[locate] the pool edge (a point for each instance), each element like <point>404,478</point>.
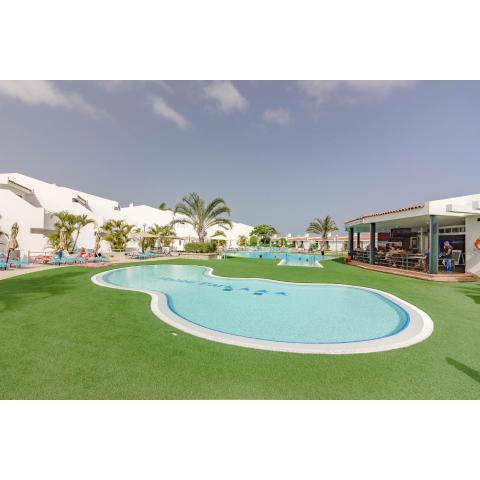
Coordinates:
<point>419,328</point>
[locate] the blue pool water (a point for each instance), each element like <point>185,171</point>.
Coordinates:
<point>267,310</point>
<point>292,259</point>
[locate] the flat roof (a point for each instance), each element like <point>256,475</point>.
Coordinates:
<point>446,209</point>
<point>332,238</point>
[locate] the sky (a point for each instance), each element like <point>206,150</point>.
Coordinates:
<point>278,152</point>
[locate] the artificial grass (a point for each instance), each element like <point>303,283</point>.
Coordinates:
<point>62,337</point>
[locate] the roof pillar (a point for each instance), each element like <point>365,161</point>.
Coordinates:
<point>372,243</point>
<point>350,241</point>
<point>433,241</point>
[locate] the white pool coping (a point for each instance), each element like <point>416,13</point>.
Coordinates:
<point>419,328</point>
<point>283,263</point>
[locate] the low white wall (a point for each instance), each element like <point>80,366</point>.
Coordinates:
<point>472,254</point>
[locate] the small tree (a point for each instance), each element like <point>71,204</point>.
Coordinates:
<point>162,232</point>
<point>80,222</point>
<point>65,220</point>
<point>119,233</point>
<point>242,241</point>
<point>263,233</point>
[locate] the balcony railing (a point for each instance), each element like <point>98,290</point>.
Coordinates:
<point>409,261</point>
<point>406,261</point>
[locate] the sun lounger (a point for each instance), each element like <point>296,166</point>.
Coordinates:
<point>98,259</point>
<point>17,263</point>
<point>73,260</point>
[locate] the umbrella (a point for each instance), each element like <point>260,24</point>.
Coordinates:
<point>219,238</point>
<point>98,237</point>
<point>12,243</point>
<point>63,239</point>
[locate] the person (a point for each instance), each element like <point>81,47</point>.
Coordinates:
<point>448,251</point>
<point>426,254</point>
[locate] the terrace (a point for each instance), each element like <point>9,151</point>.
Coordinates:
<point>413,240</point>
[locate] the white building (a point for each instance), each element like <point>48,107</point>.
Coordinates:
<point>32,204</point>
<point>336,242</point>
<point>426,227</point>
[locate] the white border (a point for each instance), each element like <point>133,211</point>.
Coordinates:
<point>418,329</point>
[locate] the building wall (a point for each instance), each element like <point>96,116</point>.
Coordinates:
<point>35,211</point>
<point>15,209</point>
<point>438,207</point>
<point>472,254</point>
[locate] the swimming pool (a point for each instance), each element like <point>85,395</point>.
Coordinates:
<point>285,258</point>
<point>307,318</point>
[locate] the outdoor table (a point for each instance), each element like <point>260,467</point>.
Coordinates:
<point>420,258</point>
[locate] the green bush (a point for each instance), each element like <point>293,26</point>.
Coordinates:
<point>205,247</point>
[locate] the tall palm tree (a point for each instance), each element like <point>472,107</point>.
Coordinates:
<point>81,221</point>
<point>322,226</point>
<point>119,233</point>
<point>200,216</point>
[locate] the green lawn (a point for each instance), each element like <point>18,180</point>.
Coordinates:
<point>63,337</point>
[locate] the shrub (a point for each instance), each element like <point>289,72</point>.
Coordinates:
<point>204,247</point>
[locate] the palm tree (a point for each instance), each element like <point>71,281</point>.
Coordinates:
<point>323,227</point>
<point>67,221</point>
<point>200,216</point>
<point>81,221</point>
<point>162,232</point>
<point>118,233</point>
<point>242,241</point>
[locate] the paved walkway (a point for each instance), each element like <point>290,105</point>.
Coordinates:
<point>14,272</point>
